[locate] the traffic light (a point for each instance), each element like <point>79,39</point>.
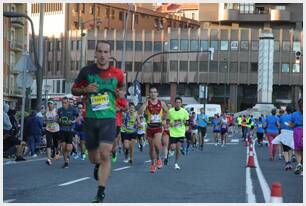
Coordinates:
<point>298,55</point>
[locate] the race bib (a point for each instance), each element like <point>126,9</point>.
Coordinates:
<point>155,118</point>
<point>177,123</point>
<point>131,125</point>
<point>259,125</point>
<point>100,102</point>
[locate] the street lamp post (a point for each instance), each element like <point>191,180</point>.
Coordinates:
<point>39,71</point>
<point>83,39</point>
<point>47,87</point>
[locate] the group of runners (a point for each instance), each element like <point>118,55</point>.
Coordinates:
<point>110,124</point>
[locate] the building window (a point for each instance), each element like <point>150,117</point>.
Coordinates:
<point>231,6</point>
<point>138,45</point>
<point>128,66</point>
<point>120,15</point>
<point>214,44</point>
<point>244,67</point>
<point>276,67</point>
<point>148,46</point>
<point>91,10</point>
<point>137,66</point>
<point>58,66</point>
<point>157,46</point>
<point>174,44</point>
<point>129,45</point>
<point>246,8</point>
<point>157,66</point>
<point>194,45</point>
<point>58,86</point>
<point>119,45</point>
<point>184,44</point>
<point>98,11</point>
<point>224,46</point>
<point>91,44</point>
<point>90,62</point>
<point>254,67</point>
<point>255,45</point>
<point>204,45</point>
<point>213,67</point>
<point>286,46</point>
<point>193,16</point>
<point>184,66</point>
<point>173,65</point>
<point>244,45</point>
<point>113,13</point>
<point>285,68</point>
<point>83,8</point>
<point>49,66</point>
<point>193,66</point>
<point>78,44</point>
<point>203,66</point>
<point>280,7</point>
<point>118,64</point>
<point>233,67</point>
<point>72,45</point>
<point>296,46</point>
<point>276,45</point>
<point>59,45</point>
<point>50,47</point>
<point>136,19</point>
<point>223,67</point>
<point>234,45</point>
<point>166,46</point>
<point>296,68</point>
<point>63,86</point>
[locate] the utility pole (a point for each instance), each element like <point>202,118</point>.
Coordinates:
<point>126,22</point>
<point>41,49</point>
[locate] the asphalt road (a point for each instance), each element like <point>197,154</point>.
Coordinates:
<point>215,175</point>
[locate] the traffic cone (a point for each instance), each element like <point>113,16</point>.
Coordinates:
<point>251,162</point>
<point>276,193</point>
<point>251,141</point>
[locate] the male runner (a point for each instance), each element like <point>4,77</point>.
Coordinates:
<point>98,82</point>
<point>178,117</point>
<point>154,109</point>
<point>202,121</point>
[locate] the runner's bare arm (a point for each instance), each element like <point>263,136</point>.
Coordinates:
<point>164,106</point>
<point>143,107</point>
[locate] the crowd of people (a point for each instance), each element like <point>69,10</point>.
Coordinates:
<point>105,123</point>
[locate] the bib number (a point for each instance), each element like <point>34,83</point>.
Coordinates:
<point>100,102</point>
<point>155,118</point>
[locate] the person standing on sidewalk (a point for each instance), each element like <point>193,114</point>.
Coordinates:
<point>35,126</point>
<point>99,83</point>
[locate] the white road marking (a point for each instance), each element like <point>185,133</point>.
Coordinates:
<point>121,168</point>
<point>230,143</point>
<point>28,160</point>
<point>235,140</point>
<point>206,140</point>
<point>74,181</point>
<point>249,185</point>
<point>148,161</point>
<point>9,200</point>
<point>262,181</point>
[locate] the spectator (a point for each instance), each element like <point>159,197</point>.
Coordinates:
<point>35,126</point>
<point>15,126</point>
<point>10,141</point>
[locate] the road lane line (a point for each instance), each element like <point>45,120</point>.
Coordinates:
<point>230,143</point>
<point>9,200</point>
<point>28,160</point>
<point>121,168</point>
<point>148,161</point>
<point>262,180</point>
<point>249,185</point>
<point>235,140</point>
<point>74,181</point>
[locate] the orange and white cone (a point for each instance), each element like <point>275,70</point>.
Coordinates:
<point>251,162</point>
<point>276,193</point>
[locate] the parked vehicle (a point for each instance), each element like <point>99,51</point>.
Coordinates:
<point>210,109</point>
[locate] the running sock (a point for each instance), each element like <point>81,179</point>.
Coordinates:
<point>101,190</point>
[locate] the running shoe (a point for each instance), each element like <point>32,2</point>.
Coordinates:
<point>280,156</point>
<point>65,166</point>
<point>176,166</point>
<point>159,164</point>
<point>34,155</point>
<point>293,158</point>
<point>19,159</point>
<point>153,169</point>
<point>171,153</point>
<point>98,198</point>
<point>114,157</point>
<point>75,156</point>
<point>298,169</point>
<point>288,166</point>
<point>165,161</point>
<point>83,157</point>
<point>130,161</point>
<point>141,148</point>
<point>49,162</point>
<point>126,160</point>
<point>53,154</point>
<point>95,173</point>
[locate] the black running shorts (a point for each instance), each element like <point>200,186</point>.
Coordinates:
<point>128,136</point>
<point>99,131</point>
<point>174,140</point>
<point>66,136</point>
